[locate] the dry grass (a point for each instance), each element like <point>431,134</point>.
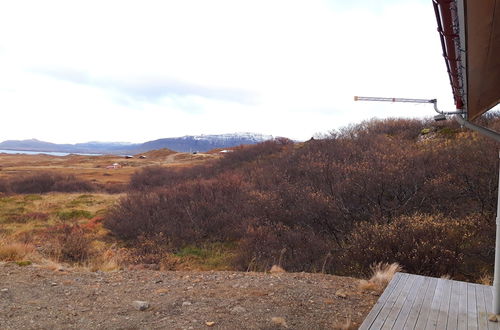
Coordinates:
<point>382,274</point>
<point>275,269</point>
<point>279,321</point>
<point>93,168</point>
<point>51,265</point>
<point>109,260</point>
<point>486,279</point>
<point>346,325</point>
<point>15,251</point>
<point>32,220</point>
<point>91,248</point>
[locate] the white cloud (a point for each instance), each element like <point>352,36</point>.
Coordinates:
<point>138,70</point>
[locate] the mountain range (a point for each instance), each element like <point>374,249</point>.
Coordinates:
<point>189,143</point>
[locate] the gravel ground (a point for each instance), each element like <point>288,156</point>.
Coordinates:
<point>36,298</point>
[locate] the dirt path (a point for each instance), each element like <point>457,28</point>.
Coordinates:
<point>35,298</point>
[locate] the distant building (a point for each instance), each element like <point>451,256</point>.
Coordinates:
<point>114,166</point>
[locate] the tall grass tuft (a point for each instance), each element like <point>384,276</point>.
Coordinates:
<point>382,274</point>
<point>14,251</point>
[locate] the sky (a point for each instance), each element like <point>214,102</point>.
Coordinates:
<point>134,71</point>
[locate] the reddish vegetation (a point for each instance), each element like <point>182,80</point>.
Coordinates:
<point>392,191</point>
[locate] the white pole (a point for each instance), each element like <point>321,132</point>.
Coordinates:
<point>496,275</point>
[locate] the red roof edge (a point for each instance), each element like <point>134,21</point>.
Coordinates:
<point>445,11</point>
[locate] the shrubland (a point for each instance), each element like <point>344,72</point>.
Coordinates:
<point>394,190</point>
<point>388,191</point>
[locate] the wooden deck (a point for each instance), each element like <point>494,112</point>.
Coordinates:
<point>420,302</point>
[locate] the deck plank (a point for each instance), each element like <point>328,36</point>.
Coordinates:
<point>462,306</point>
<point>471,307</point>
<point>398,305</point>
<point>435,304</point>
<point>482,315</point>
<point>417,305</point>
<point>452,323</point>
<point>420,302</point>
<point>444,308</point>
<point>418,286</point>
<point>381,302</point>
<point>384,312</point>
<point>488,298</point>
<point>426,306</point>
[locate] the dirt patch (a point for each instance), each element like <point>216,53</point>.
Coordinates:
<point>35,298</point>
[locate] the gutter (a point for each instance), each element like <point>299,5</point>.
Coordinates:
<point>479,129</point>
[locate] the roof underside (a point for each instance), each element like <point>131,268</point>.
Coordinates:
<point>470,37</point>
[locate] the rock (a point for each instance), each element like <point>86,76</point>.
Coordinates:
<point>4,290</point>
<point>186,303</point>
<point>210,323</point>
<point>279,321</point>
<point>53,284</point>
<point>140,305</point>
<point>238,310</point>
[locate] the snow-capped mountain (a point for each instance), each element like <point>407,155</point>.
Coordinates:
<point>204,143</point>
<point>232,136</point>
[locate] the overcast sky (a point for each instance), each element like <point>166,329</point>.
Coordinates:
<point>76,71</point>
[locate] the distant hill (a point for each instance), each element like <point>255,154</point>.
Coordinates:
<point>201,143</point>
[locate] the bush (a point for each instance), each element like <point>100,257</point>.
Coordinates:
<point>4,186</point>
<point>47,182</point>
<point>294,249</point>
<point>245,155</point>
<point>153,177</point>
<point>201,211</point>
<point>431,245</point>
<point>70,243</point>
<point>323,200</point>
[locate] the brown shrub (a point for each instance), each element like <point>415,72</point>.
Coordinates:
<point>189,213</point>
<point>247,154</point>
<point>421,244</point>
<point>153,177</point>
<point>115,188</point>
<point>4,186</point>
<point>327,199</point>
<point>46,182</point>
<point>149,250</point>
<point>294,249</point>
<point>69,243</point>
